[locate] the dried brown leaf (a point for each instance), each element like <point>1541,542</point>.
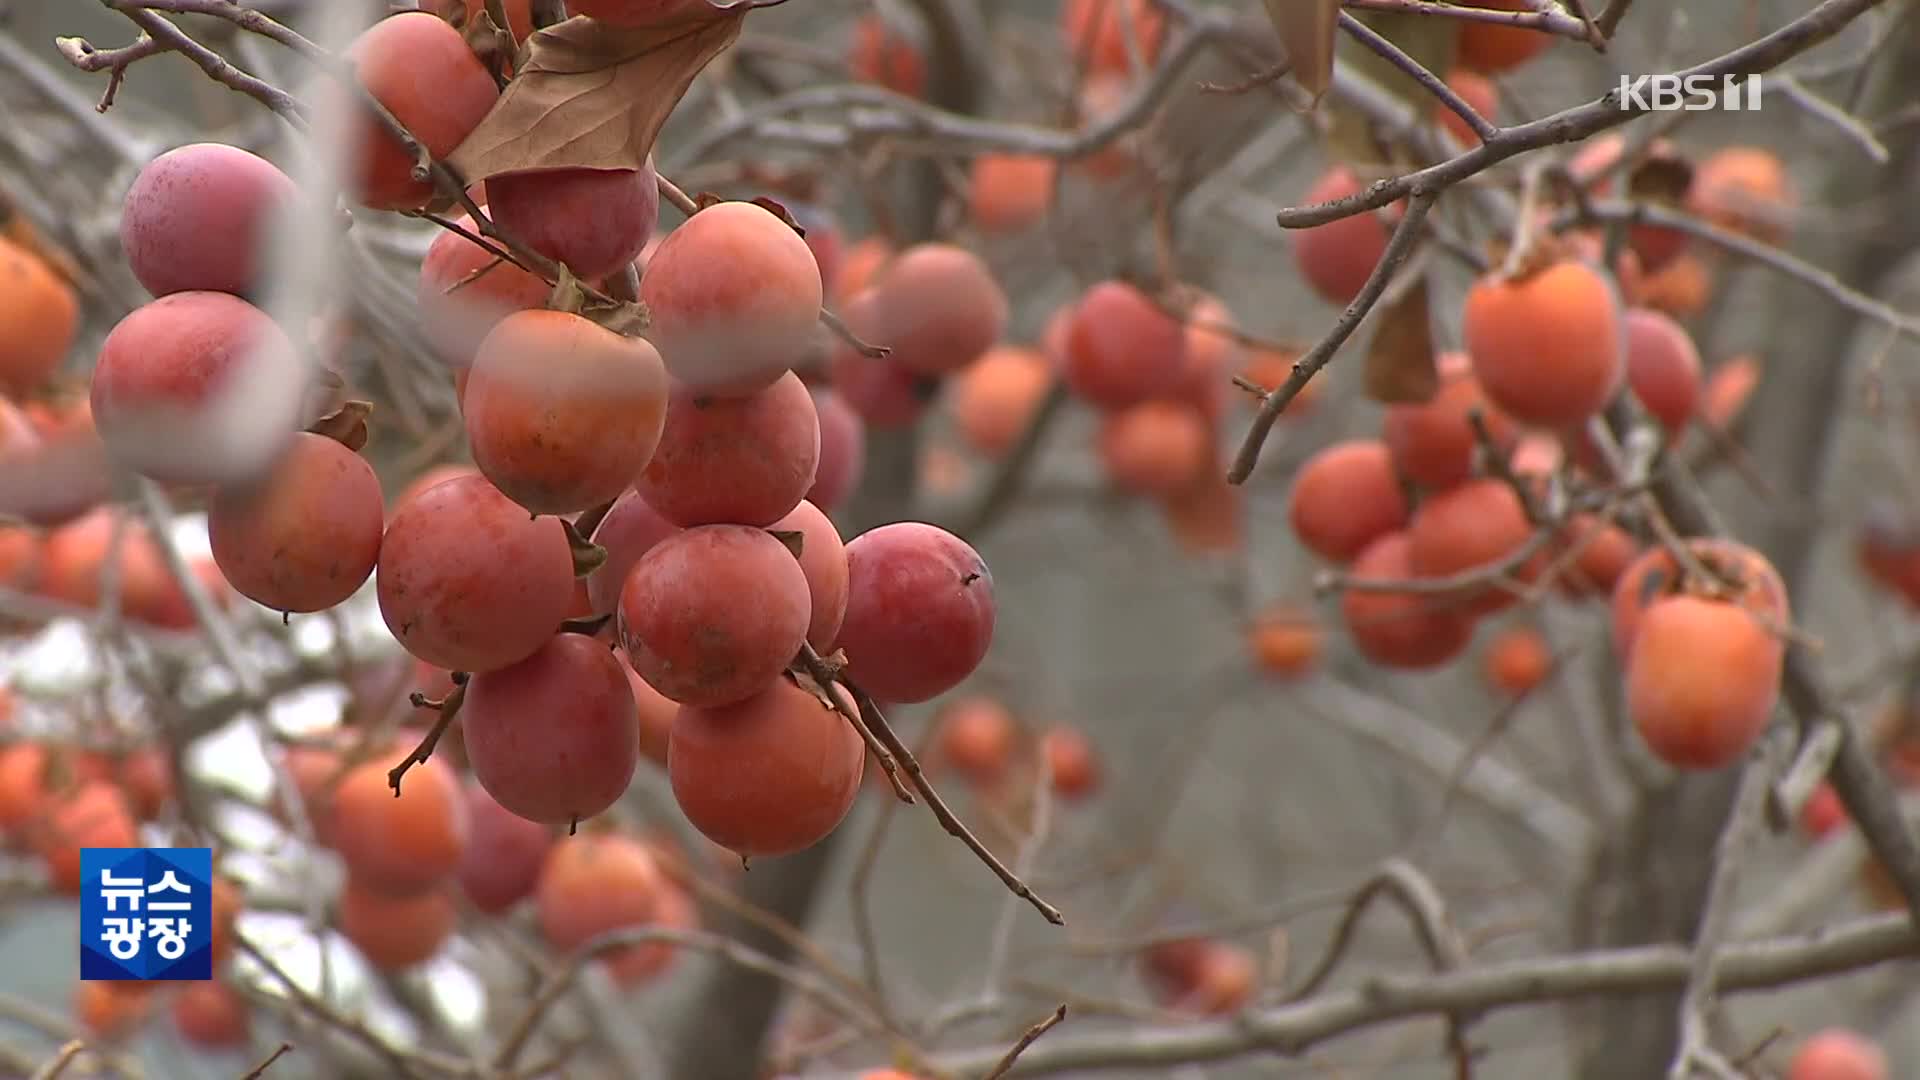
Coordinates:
<point>1661,178</point>
<point>1400,367</point>
<point>346,425</point>
<point>587,555</point>
<point>1306,29</point>
<point>594,96</point>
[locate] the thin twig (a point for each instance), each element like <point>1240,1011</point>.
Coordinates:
<point>1027,1039</point>
<point>1399,247</point>
<point>1743,821</point>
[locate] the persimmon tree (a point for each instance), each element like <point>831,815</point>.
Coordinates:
<point>664,537</point>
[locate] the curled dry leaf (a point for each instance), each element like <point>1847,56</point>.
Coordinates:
<point>1661,178</point>
<point>1400,367</point>
<point>587,555</point>
<point>1306,29</point>
<point>594,96</point>
<point>346,425</point>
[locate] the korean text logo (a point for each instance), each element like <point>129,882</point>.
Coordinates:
<point>1693,93</point>
<point>146,913</point>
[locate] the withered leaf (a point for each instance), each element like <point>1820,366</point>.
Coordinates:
<point>594,96</point>
<point>804,679</point>
<point>1306,29</point>
<point>346,425</point>
<point>624,317</point>
<point>587,555</point>
<point>1661,178</point>
<point>1400,368</point>
<point>1428,41</point>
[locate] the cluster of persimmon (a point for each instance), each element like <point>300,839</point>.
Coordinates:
<point>694,456</point>
<point>1446,503</point>
<point>694,448</point>
<point>410,859</point>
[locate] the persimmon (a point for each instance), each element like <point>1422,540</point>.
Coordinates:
<point>1547,346</point>
<point>405,842</point>
<point>197,388</point>
<point>1745,189</point>
<point>1269,369</point>
<point>1122,347</point>
<point>429,478</point>
<point>578,759</point>
<point>91,814</point>
<point>396,932</point>
<point>731,292</point>
<point>1213,349</point>
<point>629,530</point>
<point>201,216</point>
<point>1346,497</point>
<point>1107,35</point>
<point>467,580</point>
<point>883,55</point>
<point>1703,675</point>
<point>883,394</point>
<point>711,615</point>
<point>1009,192</point>
<point>769,775</point>
<point>1601,552</point>
<point>1838,1054</point>
<point>823,559</point>
<point>1494,48</point>
<point>1433,442</point>
<point>860,267</point>
<point>1337,258</point>
<point>596,883</point>
<point>1401,629</point>
<point>39,319</point>
<point>938,307</point>
<point>1517,661</point>
<point>1208,516</point>
<point>995,399</point>
<point>656,711</point>
<point>423,72</point>
<point>1656,573</point>
<point>1663,368</point>
<point>843,450</point>
<point>1072,762</point>
<point>975,736</point>
<point>1681,288</point>
<point>212,1015</point>
<point>464,290</point>
<point>111,1010</point>
<point>1728,389</point>
<point>920,611</point>
<point>1476,528</point>
<point>562,413</point>
<point>504,854</point>
<point>1285,640</point>
<point>307,537</point>
<point>594,221</point>
<point>1156,447</point>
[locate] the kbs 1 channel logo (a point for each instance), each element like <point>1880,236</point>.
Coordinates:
<point>1693,93</point>
<point>146,914</point>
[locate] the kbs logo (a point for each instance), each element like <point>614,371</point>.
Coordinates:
<point>1695,93</point>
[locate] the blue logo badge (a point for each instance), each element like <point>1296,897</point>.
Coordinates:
<point>146,913</point>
